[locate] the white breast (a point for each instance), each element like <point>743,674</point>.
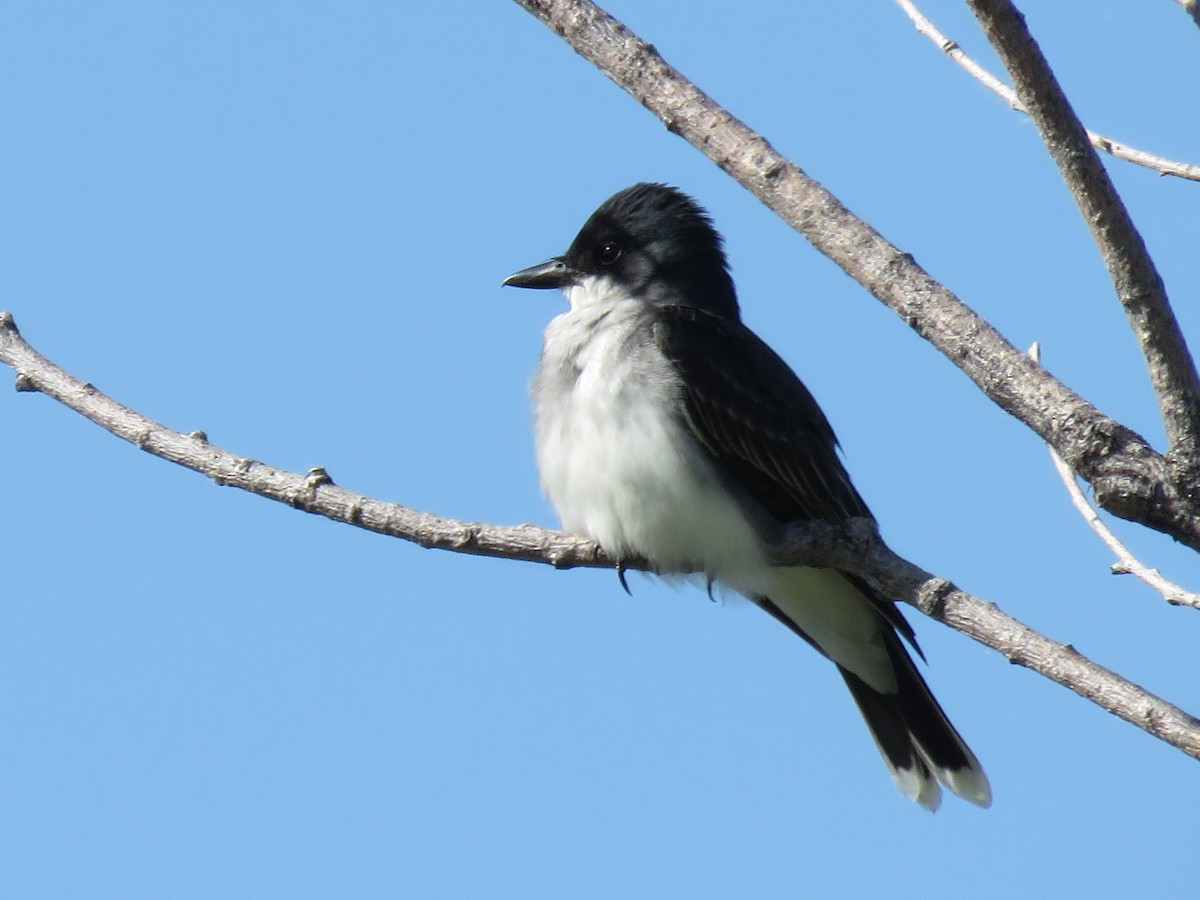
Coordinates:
<point>610,452</point>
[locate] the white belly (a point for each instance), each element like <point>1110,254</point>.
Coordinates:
<point>614,472</point>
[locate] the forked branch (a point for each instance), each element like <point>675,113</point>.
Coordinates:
<point>1127,563</point>
<point>1135,277</point>
<point>951,48</point>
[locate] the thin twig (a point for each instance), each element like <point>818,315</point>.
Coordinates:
<point>1138,285</point>
<point>1128,477</point>
<point>1160,164</point>
<point>854,548</point>
<point>1127,563</point>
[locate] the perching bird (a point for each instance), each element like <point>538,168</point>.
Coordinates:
<point>667,430</point>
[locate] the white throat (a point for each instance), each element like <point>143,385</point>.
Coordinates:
<point>593,292</point>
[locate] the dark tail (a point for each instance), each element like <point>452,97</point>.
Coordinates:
<point>918,743</point>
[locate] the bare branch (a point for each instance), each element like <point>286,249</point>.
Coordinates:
<point>1127,563</point>
<point>1128,478</point>
<point>1160,164</point>
<point>313,492</point>
<point>1135,277</point>
<point>856,547</point>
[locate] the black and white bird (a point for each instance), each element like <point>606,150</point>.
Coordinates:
<point>667,430</point>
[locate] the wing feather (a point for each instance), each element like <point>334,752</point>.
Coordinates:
<point>757,419</point>
<point>761,427</point>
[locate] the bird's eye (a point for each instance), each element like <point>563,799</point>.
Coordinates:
<point>608,253</point>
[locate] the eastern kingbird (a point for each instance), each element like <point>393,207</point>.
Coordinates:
<point>667,430</point>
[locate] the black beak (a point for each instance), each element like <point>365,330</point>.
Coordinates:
<point>553,273</point>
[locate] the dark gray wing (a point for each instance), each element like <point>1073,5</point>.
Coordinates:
<point>761,426</point>
<point>756,419</point>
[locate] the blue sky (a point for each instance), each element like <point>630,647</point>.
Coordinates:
<point>286,224</point>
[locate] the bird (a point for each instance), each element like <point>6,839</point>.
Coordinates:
<point>667,431</point>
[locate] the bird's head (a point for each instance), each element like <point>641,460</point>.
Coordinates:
<point>649,241</point>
